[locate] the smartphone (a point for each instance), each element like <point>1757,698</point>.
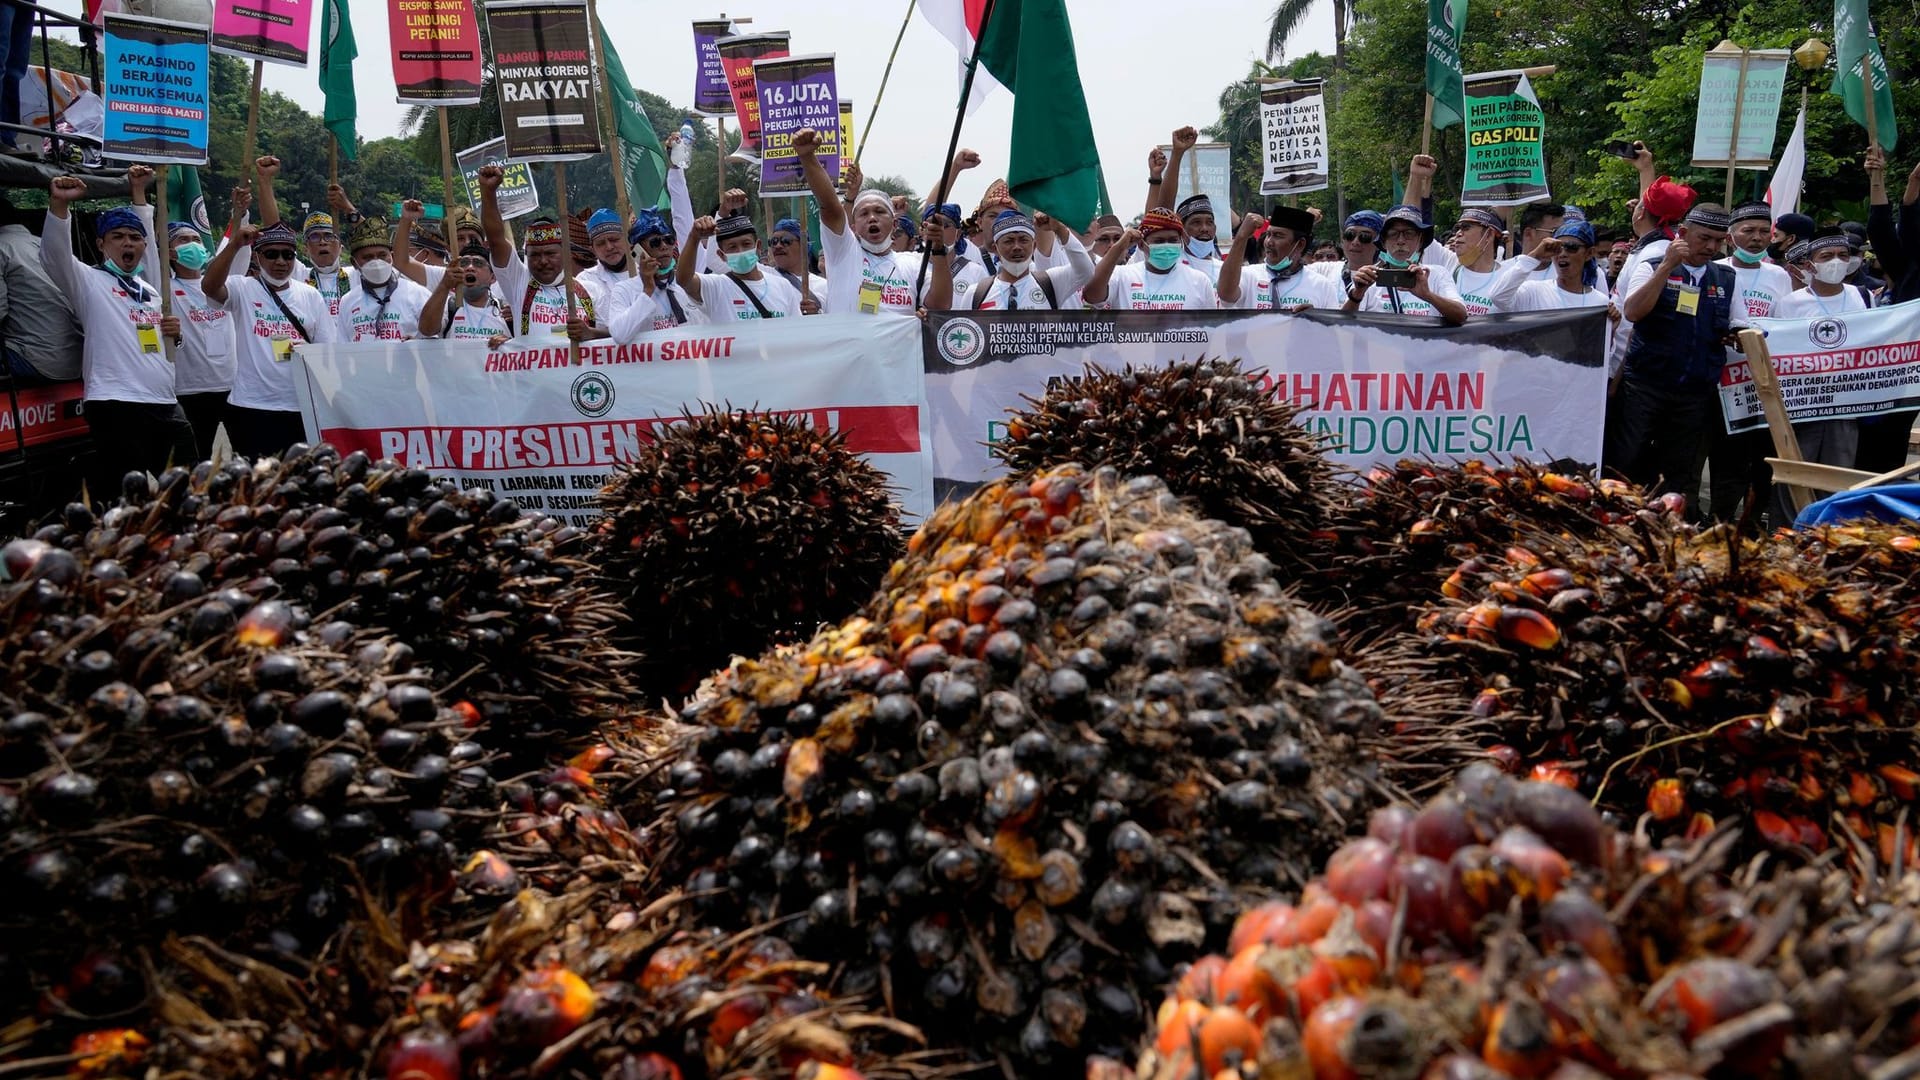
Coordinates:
<point>1623,149</point>
<point>1391,277</point>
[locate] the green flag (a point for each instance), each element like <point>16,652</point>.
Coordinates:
<point>1858,43</point>
<point>636,146</point>
<point>1105,206</point>
<point>183,193</point>
<point>1446,22</point>
<point>1027,45</point>
<point>337,52</point>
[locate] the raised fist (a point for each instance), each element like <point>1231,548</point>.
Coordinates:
<point>1185,138</point>
<point>965,159</point>
<point>140,176</point>
<point>268,165</point>
<point>245,235</point>
<point>490,177</point>
<point>412,210</point>
<point>70,188</point>
<point>703,227</point>
<point>806,142</point>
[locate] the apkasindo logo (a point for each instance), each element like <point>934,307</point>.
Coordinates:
<point>1828,333</point>
<point>592,394</point>
<point>962,341</point>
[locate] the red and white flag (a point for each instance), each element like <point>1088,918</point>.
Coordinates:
<point>1783,194</point>
<point>959,21</point>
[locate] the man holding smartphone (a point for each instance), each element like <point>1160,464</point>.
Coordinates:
<point>1398,282</point>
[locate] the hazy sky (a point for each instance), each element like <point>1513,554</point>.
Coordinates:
<point>1147,69</point>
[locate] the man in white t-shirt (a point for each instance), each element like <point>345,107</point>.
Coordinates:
<point>273,314</point>
<point>1159,283</point>
<point>613,263</point>
<point>476,314</point>
<point>1281,283</point>
<point>1828,442</point>
<point>1476,244</point>
<point>745,291</point>
<point>967,265</point>
<point>1413,288</point>
<point>387,305</point>
<point>130,406</point>
<point>1569,253</point>
<point>534,287</point>
<point>1738,462</point>
<point>203,365</point>
<point>865,275</point>
<point>1017,284</point>
<point>788,251</point>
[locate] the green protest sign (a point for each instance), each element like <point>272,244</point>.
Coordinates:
<point>1506,159</point>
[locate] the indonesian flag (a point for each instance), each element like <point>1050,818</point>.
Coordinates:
<point>959,22</point>
<point>1783,194</point>
<point>1027,45</point>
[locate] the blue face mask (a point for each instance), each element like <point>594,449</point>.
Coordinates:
<point>743,262</point>
<point>667,267</point>
<point>1281,266</point>
<point>1750,258</point>
<point>1163,256</point>
<point>192,256</point>
<point>1399,264</point>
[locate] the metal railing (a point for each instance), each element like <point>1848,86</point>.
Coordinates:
<point>44,18</point>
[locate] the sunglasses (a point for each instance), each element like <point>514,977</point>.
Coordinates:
<point>780,241</point>
<point>275,255</point>
<point>1572,249</point>
<point>1364,237</point>
<point>472,261</point>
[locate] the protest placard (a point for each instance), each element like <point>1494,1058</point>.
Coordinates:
<point>711,97</point>
<point>737,56</point>
<point>1293,151</point>
<point>1722,74</point>
<point>276,31</point>
<point>155,81</point>
<point>543,69</point>
<point>795,92</point>
<point>1506,140</point>
<point>436,52</point>
<point>517,195</point>
<point>1207,170</point>
<point>1834,367</point>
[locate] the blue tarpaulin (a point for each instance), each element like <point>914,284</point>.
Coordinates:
<point>1886,502</point>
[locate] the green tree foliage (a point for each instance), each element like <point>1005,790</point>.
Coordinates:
<point>1624,71</point>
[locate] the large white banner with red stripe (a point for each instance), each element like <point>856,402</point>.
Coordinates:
<point>1832,367</point>
<point>545,433</point>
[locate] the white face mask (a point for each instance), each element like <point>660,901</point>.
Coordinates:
<point>376,272</point>
<point>1831,272</point>
<point>1854,264</point>
<point>278,281</point>
<point>884,247</point>
<point>1015,269</point>
<point>1202,249</point>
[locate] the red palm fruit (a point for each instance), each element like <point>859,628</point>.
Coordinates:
<point>1317,985</point>
<point>1903,782</point>
<point>1420,883</point>
<point>1522,559</point>
<point>1485,704</point>
<point>1311,922</point>
<point>1861,790</point>
<point>1227,1039</point>
<point>1328,1035</point>
<point>1248,986</point>
<point>1565,820</point>
<point>1519,1040</point>
<point>1706,679</point>
<point>1262,925</point>
<point>543,1007</point>
<point>1555,772</point>
<point>1441,828</point>
<point>1574,918</point>
<point>1775,830</point>
<point>1389,825</point>
<point>1474,888</point>
<point>424,1054</point>
<point>1525,626</point>
<point>649,1066</point>
<point>1701,994</point>
<point>734,1016</point>
<point>1700,825</point>
<point>1534,870</point>
<point>825,1070</point>
<point>1578,994</point>
<point>1505,758</point>
<point>1666,800</point>
<point>1545,583</point>
<point>1358,872</point>
<point>1179,1027</point>
<point>1459,1067</point>
<point>1812,836</point>
<point>1481,622</point>
<point>113,1052</point>
<point>1202,981</point>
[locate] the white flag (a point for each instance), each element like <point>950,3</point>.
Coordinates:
<point>1783,194</point>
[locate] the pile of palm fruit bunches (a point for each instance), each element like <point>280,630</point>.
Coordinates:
<point>1178,754</point>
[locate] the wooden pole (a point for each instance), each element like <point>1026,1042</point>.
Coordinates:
<point>163,262</point>
<point>446,186</point>
<point>1733,137</point>
<point>720,161</point>
<point>1426,127</point>
<point>1786,446</point>
<point>1866,84</point>
<point>247,170</point>
<point>566,254</point>
<point>333,159</point>
<point>622,199</point>
<point>882,92</point>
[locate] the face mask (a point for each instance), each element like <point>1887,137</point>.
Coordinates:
<point>1751,258</point>
<point>1281,266</point>
<point>1854,264</point>
<point>1163,256</point>
<point>743,262</point>
<point>884,247</point>
<point>1015,269</point>
<point>277,281</point>
<point>1397,263</point>
<point>1202,249</point>
<point>376,272</point>
<point>476,293</point>
<point>667,267</point>
<point>192,256</point>
<point>1831,272</point>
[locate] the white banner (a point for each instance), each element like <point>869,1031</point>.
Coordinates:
<point>527,424</point>
<point>1863,363</point>
<point>1293,150</point>
<point>1208,170</point>
<point>1510,386</point>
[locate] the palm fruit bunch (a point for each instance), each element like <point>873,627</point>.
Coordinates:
<point>735,531</point>
<point>1503,932</point>
<point>167,772</point>
<point>586,982</point>
<point>493,602</point>
<point>1406,528</point>
<point>1211,430</point>
<point>1077,731</point>
<point>1691,678</point>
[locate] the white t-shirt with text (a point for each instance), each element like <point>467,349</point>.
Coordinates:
<point>263,372</point>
